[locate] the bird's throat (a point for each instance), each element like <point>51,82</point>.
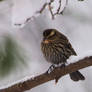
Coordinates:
<point>46,41</point>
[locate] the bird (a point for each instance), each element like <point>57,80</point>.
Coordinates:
<point>56,49</point>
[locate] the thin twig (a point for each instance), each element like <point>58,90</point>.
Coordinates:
<point>64,8</point>
<point>42,9</point>
<point>58,10</point>
<point>50,9</point>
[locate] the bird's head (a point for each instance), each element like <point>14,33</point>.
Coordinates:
<point>50,35</point>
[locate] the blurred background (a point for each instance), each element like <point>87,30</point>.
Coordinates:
<point>75,23</point>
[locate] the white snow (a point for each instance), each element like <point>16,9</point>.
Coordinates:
<point>48,1</point>
<point>56,4</point>
<point>18,81</point>
<point>24,9</point>
<point>74,59</point>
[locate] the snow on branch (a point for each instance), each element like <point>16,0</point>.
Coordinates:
<point>45,77</point>
<point>55,7</point>
<point>57,10</point>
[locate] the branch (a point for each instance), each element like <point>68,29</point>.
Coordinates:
<point>58,11</point>
<point>45,77</point>
<point>50,9</point>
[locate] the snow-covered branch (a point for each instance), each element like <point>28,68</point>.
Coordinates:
<point>45,77</point>
<point>54,7</point>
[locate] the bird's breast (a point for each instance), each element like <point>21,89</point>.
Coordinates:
<point>52,52</point>
<point>47,41</point>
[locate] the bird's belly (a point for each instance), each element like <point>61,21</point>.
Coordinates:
<point>55,59</point>
<point>53,56</point>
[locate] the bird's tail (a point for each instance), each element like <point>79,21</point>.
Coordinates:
<point>76,76</point>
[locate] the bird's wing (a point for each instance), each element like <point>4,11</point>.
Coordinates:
<point>67,44</point>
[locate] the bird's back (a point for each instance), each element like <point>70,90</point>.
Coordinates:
<point>67,45</point>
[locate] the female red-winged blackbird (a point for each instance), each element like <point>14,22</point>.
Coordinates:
<point>57,49</point>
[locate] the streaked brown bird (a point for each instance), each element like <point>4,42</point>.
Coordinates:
<point>57,49</point>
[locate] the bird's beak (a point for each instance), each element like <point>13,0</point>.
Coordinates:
<point>45,40</point>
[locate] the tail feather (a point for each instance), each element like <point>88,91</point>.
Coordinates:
<point>76,76</point>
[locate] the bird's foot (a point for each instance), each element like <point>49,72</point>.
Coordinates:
<point>51,68</point>
<point>62,66</point>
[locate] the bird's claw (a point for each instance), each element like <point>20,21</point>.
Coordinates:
<point>51,68</point>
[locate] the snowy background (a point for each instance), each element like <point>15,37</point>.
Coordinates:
<point>76,24</point>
